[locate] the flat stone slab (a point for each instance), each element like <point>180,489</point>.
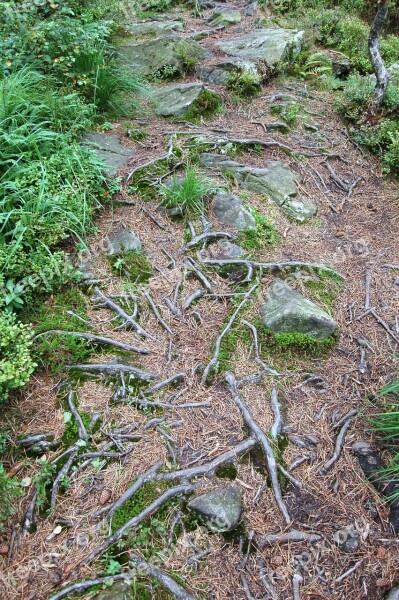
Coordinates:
<point>393,594</point>
<point>119,590</point>
<point>156,55</point>
<point>109,149</point>
<point>219,73</point>
<point>219,508</point>
<point>275,179</point>
<point>229,210</point>
<point>224,17</point>
<point>286,311</point>
<point>122,241</point>
<point>156,28</point>
<point>271,46</point>
<point>175,100</point>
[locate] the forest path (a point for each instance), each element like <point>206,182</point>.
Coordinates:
<point>355,233</point>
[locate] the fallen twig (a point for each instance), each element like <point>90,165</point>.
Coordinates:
<point>349,572</point>
<point>290,536</point>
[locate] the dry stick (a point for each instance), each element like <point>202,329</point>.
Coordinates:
<point>225,331</point>
<point>164,579</point>
<point>325,190</point>
<point>96,339</point>
<point>156,311</point>
<point>385,325</point>
<point>62,473</point>
<point>129,320</point>
<point>337,180</point>
<point>115,369</point>
<point>338,446</point>
<point>263,440</point>
<point>132,523</point>
<point>81,428</point>
<point>254,332</point>
<point>291,536</point>
<point>207,236</point>
<point>277,266</point>
<point>149,475</point>
<point>192,298</point>
<point>348,572</point>
<point>367,303</point>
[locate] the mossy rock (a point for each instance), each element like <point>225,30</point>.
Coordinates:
<point>188,100</point>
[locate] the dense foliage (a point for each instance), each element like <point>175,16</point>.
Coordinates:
<point>58,80</point>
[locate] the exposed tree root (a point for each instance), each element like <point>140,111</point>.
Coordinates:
<point>212,364</point>
<point>95,339</point>
<point>262,439</point>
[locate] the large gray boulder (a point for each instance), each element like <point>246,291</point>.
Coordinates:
<point>229,210</point>
<point>108,149</point>
<point>270,46</point>
<point>220,508</point>
<point>176,99</point>
<point>219,73</point>
<point>155,28</point>
<point>286,311</point>
<point>160,54</point>
<point>224,18</point>
<point>275,179</point>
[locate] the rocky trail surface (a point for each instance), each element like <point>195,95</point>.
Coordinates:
<point>210,445</point>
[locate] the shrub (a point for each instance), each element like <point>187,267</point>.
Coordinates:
<point>244,84</point>
<point>16,364</point>
<point>10,490</point>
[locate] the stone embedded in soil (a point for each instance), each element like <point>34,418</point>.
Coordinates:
<point>274,179</point>
<point>176,99</point>
<point>122,241</point>
<point>286,311</point>
<point>270,46</point>
<point>229,210</point>
<point>156,28</point>
<point>220,72</point>
<point>220,508</point>
<point>224,250</point>
<point>393,594</point>
<point>347,539</point>
<point>108,149</point>
<point>224,17</point>
<point>119,590</point>
<point>160,54</point>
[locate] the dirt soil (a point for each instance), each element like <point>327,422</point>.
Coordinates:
<point>353,234</point>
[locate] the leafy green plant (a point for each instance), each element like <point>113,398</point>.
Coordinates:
<point>386,425</point>
<point>244,84</point>
<point>16,363</point>
<point>315,65</point>
<point>263,235</point>
<point>188,192</point>
<point>10,490</point>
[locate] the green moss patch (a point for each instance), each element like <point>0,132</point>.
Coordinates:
<point>207,104</point>
<point>134,264</point>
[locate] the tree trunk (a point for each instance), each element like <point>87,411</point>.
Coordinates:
<point>380,70</point>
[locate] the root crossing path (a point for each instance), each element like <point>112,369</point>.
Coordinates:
<point>185,391</point>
